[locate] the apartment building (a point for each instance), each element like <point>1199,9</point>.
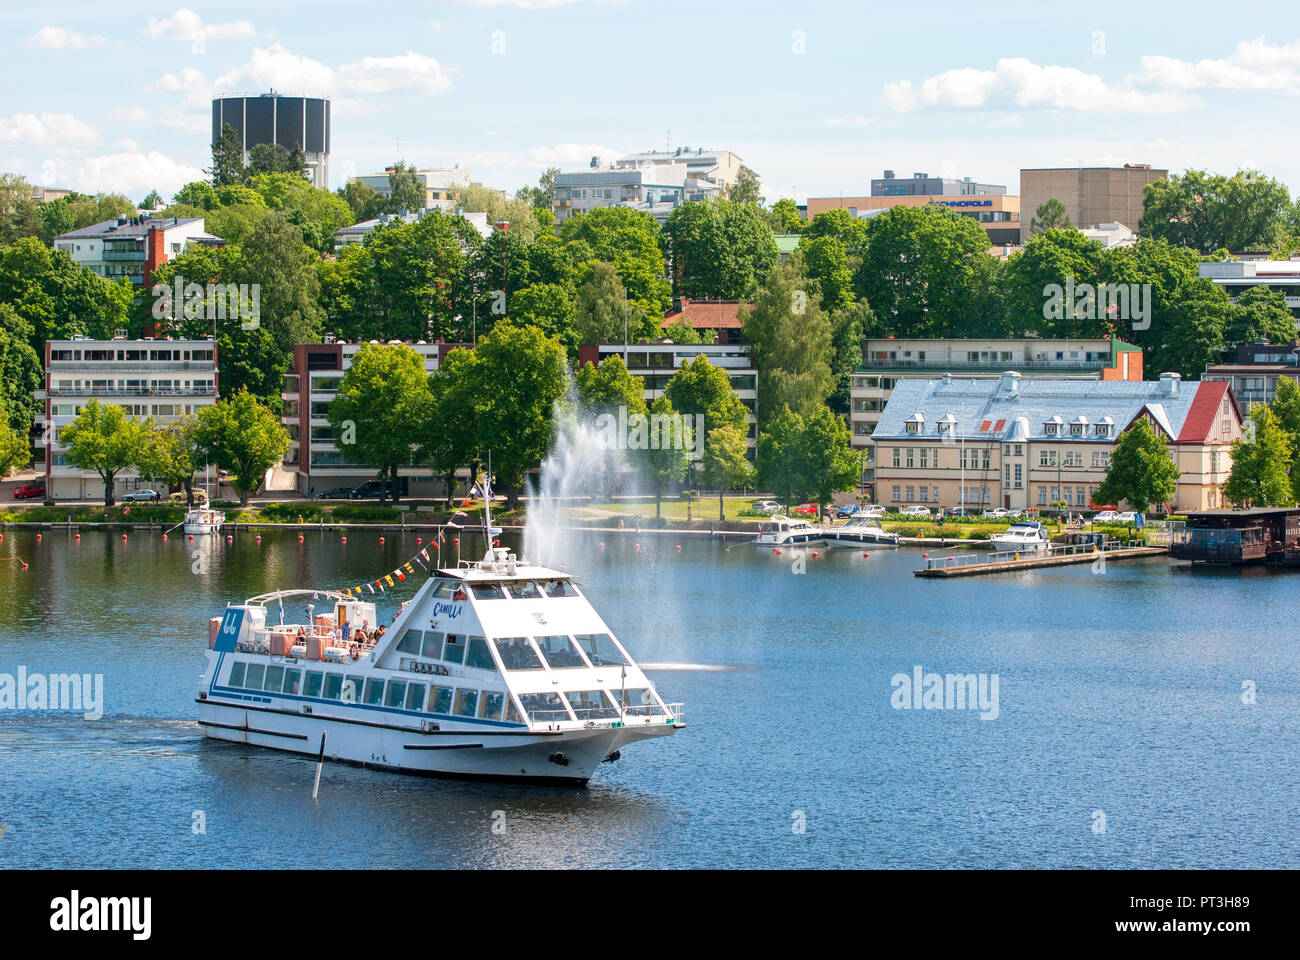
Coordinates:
<point>133,247</point>
<point>655,364</point>
<point>162,379</point>
<point>315,459</point>
<point>657,187</point>
<point>1091,195</point>
<point>1235,277</point>
<point>924,185</point>
<point>357,232</point>
<point>998,214</point>
<point>719,319</point>
<point>721,167</point>
<point>1259,366</point>
<point>1026,443</point>
<point>440,184</point>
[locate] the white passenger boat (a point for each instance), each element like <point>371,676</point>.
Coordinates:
<point>498,669</point>
<point>782,531</point>
<point>860,532</point>
<point>202,520</point>
<point>1024,537</point>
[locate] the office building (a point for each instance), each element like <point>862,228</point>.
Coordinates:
<point>924,185</point>
<point>997,213</point>
<point>440,185</point>
<point>1091,195</point>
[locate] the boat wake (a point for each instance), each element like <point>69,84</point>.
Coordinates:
<point>697,667</point>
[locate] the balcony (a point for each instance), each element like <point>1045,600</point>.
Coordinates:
<point>991,366</point>
<point>144,366</point>
<point>111,255</point>
<point>133,391</point>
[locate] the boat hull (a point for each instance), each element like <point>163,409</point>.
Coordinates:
<point>1019,547</point>
<point>849,540</point>
<point>568,757</point>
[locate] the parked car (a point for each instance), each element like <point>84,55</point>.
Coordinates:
<point>765,506</point>
<point>371,488</point>
<point>806,510</point>
<point>915,511</point>
<point>958,512</point>
<point>1127,516</point>
<point>849,510</point>
<point>334,493</point>
<point>137,496</point>
<point>997,513</point>
<point>200,496</point>
<point>875,511</point>
<point>30,491</point>
<point>1106,516</point>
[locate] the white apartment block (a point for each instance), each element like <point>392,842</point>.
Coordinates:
<point>1235,277</point>
<point>159,379</point>
<point>440,185</point>
<point>651,187</point>
<point>719,166</point>
<point>133,247</point>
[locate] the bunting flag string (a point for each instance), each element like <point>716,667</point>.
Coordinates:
<point>407,568</point>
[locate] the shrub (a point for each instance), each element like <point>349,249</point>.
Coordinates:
<point>290,512</point>
<point>366,514</point>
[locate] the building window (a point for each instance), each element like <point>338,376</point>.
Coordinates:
<point>910,459</point>
<point>1019,482</point>
<point>925,458</point>
<point>1042,496</point>
<point>896,492</point>
<point>911,493</point>
<point>925,494</point>
<point>897,459</point>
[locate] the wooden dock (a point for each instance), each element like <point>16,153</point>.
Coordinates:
<point>1032,561</point>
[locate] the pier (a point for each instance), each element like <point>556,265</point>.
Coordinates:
<point>1059,556</point>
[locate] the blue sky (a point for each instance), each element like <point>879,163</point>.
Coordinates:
<point>817,97</point>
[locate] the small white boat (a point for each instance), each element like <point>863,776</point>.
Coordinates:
<point>861,532</point>
<point>1024,537</point>
<point>203,520</point>
<point>783,531</point>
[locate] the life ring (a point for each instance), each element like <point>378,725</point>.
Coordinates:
<point>356,651</point>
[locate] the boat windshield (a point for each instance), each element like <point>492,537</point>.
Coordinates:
<point>600,649</point>
<point>544,707</point>
<point>517,653</point>
<point>560,652</point>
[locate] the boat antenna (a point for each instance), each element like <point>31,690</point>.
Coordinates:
<point>485,490</point>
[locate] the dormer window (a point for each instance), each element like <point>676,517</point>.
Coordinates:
<point>1053,427</point>
<point>915,423</point>
<point>1105,429</point>
<point>1079,426</point>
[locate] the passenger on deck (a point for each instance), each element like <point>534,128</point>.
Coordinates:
<point>347,631</point>
<point>459,594</point>
<point>379,634</point>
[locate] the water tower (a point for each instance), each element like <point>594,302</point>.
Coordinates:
<point>275,118</point>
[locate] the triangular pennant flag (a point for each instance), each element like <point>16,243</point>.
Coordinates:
<point>425,554</point>
<point>407,567</point>
<point>400,575</point>
<point>370,587</point>
<point>421,563</point>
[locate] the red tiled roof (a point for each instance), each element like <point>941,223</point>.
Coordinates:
<point>1200,417</point>
<point>708,314</point>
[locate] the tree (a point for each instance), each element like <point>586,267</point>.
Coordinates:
<point>14,449</point>
<point>1141,470</point>
<point>406,190</point>
<point>1050,215</point>
<point>698,387</point>
<point>543,195</point>
<point>790,343</point>
<point>550,308</point>
<point>1261,465</point>
<point>725,465</point>
<point>19,213</point>
<point>242,436</point>
<point>720,250</point>
<point>664,463</point>
<point>448,440</point>
<point>275,258</point>
<point>629,239</point>
<point>1245,212</point>
<point>807,457</point>
<point>785,213</point>
<point>171,454</point>
<point>608,390</point>
<point>521,215</point>
<point>382,408</point>
<point>104,439</point>
<point>682,331</point>
<point>365,202</point>
<point>602,311</point>
<point>515,377</point>
<point>1286,408</point>
<point>227,159</point>
<point>1259,312</point>
<point>56,297</point>
<point>1063,259</point>
<point>850,325</point>
<point>826,261</point>
<point>153,201</point>
<point>745,189</point>
<point>21,370</point>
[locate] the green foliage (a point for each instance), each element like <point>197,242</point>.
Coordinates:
<point>242,436</point>
<point>19,212</point>
<point>275,257</point>
<point>664,465</point>
<point>365,513</point>
<point>14,450</point>
<point>786,214</point>
<point>293,512</point>
<point>406,189</point>
<point>170,454</point>
<point>850,325</point>
<point>365,202</point>
<point>1286,408</point>
<point>227,159</point>
<point>276,158</point>
<point>725,464</point>
<point>476,198</point>
<point>104,439</point>
<point>1259,312</point>
<point>602,312</point>
<point>682,331</point>
<point>629,239</point>
<point>1203,211</point>
<point>1261,464</point>
<point>807,457</point>
<point>21,371</point>
<point>826,261</point>
<point>541,196</point>
<point>606,388</point>
<point>549,307</point>
<point>1141,471</point>
<point>1050,215</point>
<point>55,298</point>
<point>790,343</point>
<point>382,406</point>
<point>745,189</point>
<point>698,387</point>
<point>720,250</point>
<point>1068,259</point>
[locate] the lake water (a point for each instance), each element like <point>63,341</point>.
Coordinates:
<point>1121,737</point>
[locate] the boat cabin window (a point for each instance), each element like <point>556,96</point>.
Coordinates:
<point>453,651</point>
<point>374,692</point>
<point>313,683</point>
<point>517,654</point>
<point>396,695</point>
<point>488,591</point>
<point>479,656</point>
<point>333,686</point>
<point>274,679</point>
<point>637,702</point>
<point>528,590</point>
<point>559,588</point>
<point>292,681</point>
<point>236,674</point>
<point>490,704</point>
<point>415,696</point>
<point>559,652</point>
<point>352,687</point>
<point>410,642</point>
<point>439,700</point>
<point>544,707</point>
<point>256,671</point>
<point>512,715</point>
<point>444,590</point>
<point>600,649</point>
<point>466,702</point>
<point>432,645</point>
<point>590,705</point>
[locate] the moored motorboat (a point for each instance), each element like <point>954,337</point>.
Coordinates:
<point>203,520</point>
<point>783,531</point>
<point>1027,536</point>
<point>860,532</point>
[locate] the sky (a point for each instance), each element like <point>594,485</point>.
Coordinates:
<point>816,97</point>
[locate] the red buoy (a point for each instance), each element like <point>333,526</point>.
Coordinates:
<point>229,538</point>
<point>866,554</point>
<point>602,544</point>
<point>679,548</point>
<point>124,536</point>
<point>419,540</point>
<point>343,539</point>
<point>259,538</point>
<point>456,541</point>
<point>24,564</point>
<point>381,539</point>
<point>299,538</point>
<point>38,538</point>
<point>78,536</point>
<point>637,546</point>
<point>814,554</point>
<point>164,536</point>
<point>926,555</point>
<point>191,538</point>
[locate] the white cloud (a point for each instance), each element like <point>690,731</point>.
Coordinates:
<point>192,83</point>
<point>1016,82</point>
<point>61,38</point>
<point>53,130</point>
<point>280,68</point>
<point>171,118</point>
<point>185,26</point>
<point>128,172</point>
<point>1255,65</point>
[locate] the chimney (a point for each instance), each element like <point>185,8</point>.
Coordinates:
<point>1169,383</point>
<point>1009,385</point>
